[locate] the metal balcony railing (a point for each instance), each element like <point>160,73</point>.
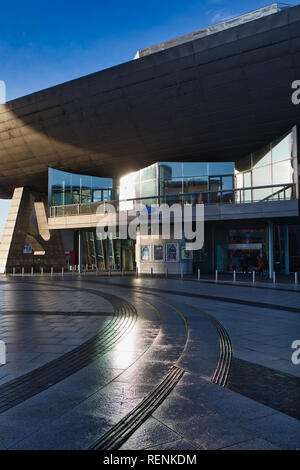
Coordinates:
<point>277,192</point>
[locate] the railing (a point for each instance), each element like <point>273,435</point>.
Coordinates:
<point>278,192</point>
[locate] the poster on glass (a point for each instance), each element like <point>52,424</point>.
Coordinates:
<point>145,253</point>
<point>159,253</point>
<point>172,252</point>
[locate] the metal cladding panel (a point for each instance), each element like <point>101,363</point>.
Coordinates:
<point>213,99</point>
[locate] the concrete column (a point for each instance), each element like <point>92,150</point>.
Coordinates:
<point>286,250</point>
<point>271,249</point>
<point>79,252</point>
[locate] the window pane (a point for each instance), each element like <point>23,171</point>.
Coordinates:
<point>282,150</point>
<point>262,176</point>
<point>170,170</point>
<point>148,173</point>
<point>282,172</point>
<point>262,157</point>
<point>221,168</point>
<point>195,169</point>
<point>227,182</point>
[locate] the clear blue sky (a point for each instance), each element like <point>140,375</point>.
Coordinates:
<point>46,43</point>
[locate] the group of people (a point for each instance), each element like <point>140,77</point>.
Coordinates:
<point>243,262</point>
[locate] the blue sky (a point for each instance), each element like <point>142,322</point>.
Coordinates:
<point>46,43</point>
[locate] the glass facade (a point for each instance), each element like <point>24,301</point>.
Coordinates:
<point>273,166</point>
<point>173,181</point>
<point>68,188</point>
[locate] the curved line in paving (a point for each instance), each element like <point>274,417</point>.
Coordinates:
<point>28,385</point>
<point>220,376</point>
<point>118,434</point>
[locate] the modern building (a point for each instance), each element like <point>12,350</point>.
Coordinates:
<point>207,118</point>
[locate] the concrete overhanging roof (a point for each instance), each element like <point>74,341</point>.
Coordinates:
<point>211,99</point>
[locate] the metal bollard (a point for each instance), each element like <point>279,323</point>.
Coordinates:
<point>296,277</point>
<point>109,272</point>
<point>274,277</point>
<point>253,276</point>
<point>166,273</point>
<point>199,274</point>
<point>23,271</point>
<point>217,275</point>
<point>14,271</point>
<point>51,273</point>
<point>62,272</point>
<point>181,273</point>
<point>42,271</point>
<point>31,271</point>
<point>123,271</point>
<point>137,272</point>
<point>151,272</point>
<point>234,276</point>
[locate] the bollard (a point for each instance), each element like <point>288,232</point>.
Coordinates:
<point>216,275</point>
<point>51,273</point>
<point>109,272</point>
<point>123,271</point>
<point>234,276</point>
<point>23,271</point>
<point>31,271</point>
<point>166,273</point>
<point>274,277</point>
<point>296,278</point>
<point>14,271</point>
<point>42,271</point>
<point>253,276</point>
<point>181,273</point>
<point>199,274</point>
<point>137,272</point>
<point>151,272</point>
<point>62,272</point>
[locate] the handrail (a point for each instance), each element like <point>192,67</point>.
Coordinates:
<point>202,197</point>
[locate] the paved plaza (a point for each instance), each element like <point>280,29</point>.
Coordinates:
<point>139,363</point>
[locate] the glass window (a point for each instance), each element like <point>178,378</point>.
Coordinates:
<point>215,183</point>
<point>148,173</point>
<point>196,185</point>
<point>221,168</point>
<point>239,180</point>
<point>195,169</point>
<point>263,193</point>
<point>148,189</point>
<point>247,179</point>
<point>282,172</point>
<point>281,150</point>
<point>170,169</point>
<point>262,176</point>
<point>227,182</point>
<point>262,157</point>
